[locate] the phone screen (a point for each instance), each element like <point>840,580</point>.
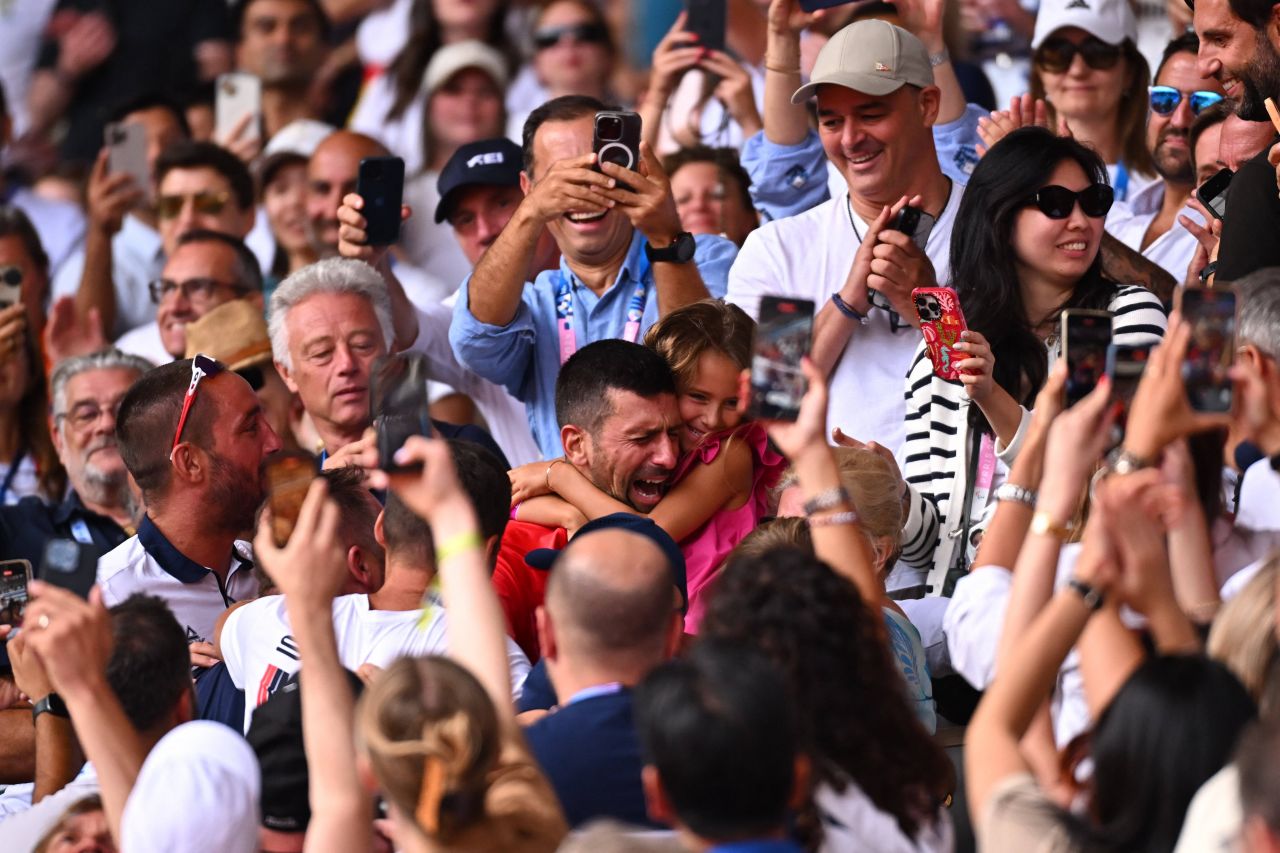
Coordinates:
<point>783,336</point>
<point>399,403</point>
<point>70,565</point>
<point>1212,317</point>
<point>288,476</point>
<point>1125,366</point>
<point>14,577</point>
<point>1085,338</point>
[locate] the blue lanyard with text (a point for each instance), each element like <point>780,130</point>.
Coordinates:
<point>564,311</point>
<point>1122,182</point>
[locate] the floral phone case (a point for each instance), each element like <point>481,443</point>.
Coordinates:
<point>941,322</point>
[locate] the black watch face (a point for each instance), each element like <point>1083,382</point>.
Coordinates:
<point>685,246</point>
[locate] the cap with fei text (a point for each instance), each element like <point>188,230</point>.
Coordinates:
<point>487,163</point>
<point>870,56</point>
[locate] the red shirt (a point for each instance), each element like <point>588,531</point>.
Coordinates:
<point>520,588</point>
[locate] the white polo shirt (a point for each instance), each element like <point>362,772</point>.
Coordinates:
<point>137,258</point>
<point>809,256</point>
<point>261,656</point>
<point>145,341</point>
<point>148,563</point>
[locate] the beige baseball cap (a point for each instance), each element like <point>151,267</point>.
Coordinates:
<point>869,56</point>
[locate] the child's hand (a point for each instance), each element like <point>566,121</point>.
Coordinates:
<point>531,481</point>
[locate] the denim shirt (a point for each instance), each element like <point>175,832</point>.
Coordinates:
<point>524,355</point>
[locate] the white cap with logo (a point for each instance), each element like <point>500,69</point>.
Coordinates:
<point>1111,21</point>
<point>870,56</point>
<point>452,58</point>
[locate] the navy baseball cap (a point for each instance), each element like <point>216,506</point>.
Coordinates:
<point>487,163</point>
<point>544,559</point>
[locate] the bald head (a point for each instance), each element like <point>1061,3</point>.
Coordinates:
<point>610,598</point>
<point>331,174</point>
<point>1242,140</point>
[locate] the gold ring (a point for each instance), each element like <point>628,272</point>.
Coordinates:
<point>43,621</point>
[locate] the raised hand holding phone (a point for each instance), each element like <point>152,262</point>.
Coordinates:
<point>783,339</point>
<point>1085,337</point>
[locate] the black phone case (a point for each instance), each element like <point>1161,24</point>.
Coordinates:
<point>71,565</point>
<point>625,151</point>
<point>380,183</point>
<point>707,19</point>
<point>1213,193</point>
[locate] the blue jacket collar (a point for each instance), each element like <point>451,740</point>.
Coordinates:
<point>70,506</point>
<point>167,556</point>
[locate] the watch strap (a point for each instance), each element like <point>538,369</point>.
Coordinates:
<point>1042,523</point>
<point>51,704</point>
<point>672,253</point>
<point>1093,599</point>
<point>1126,462</point>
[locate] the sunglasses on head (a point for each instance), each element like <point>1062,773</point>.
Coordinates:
<point>1057,202</point>
<point>1165,99</point>
<point>581,33</point>
<point>1057,54</point>
<point>201,366</point>
<point>206,201</point>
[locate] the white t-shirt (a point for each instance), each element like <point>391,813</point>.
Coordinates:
<point>261,656</point>
<point>146,342</point>
<point>809,256</point>
<point>1173,250</point>
<point>137,258</point>
<point>148,563</point>
<point>850,821</point>
<point>427,244</point>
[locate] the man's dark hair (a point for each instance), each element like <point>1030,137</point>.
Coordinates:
<point>585,380</point>
<point>564,108</point>
<point>248,272</point>
<point>719,727</point>
<point>148,419</point>
<point>239,7</point>
<point>1188,42</point>
<point>724,159</point>
<point>357,511</point>
<point>1255,13</point>
<point>1215,114</point>
<point>206,155</point>
<point>486,484</point>
<point>15,223</point>
<point>150,101</point>
<point>150,666</point>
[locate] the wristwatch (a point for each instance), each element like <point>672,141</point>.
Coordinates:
<point>679,252</point>
<point>51,703</point>
<point>1042,524</point>
<point>1126,462</point>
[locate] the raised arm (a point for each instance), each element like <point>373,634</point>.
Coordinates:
<point>352,243</point>
<point>923,19</point>
<point>785,123</point>
<point>675,54</point>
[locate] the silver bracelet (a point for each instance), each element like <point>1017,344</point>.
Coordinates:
<point>936,59</point>
<point>830,499</point>
<point>1017,494</point>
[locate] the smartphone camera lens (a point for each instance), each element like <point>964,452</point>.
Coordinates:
<point>609,128</point>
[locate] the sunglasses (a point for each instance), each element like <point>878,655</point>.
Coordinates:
<point>1056,54</point>
<point>205,201</point>
<point>201,366</point>
<point>1165,99</point>
<point>1057,202</point>
<point>581,33</point>
<point>193,289</point>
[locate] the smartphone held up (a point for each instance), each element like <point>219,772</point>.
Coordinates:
<point>1211,314</point>
<point>941,322</point>
<point>399,405</point>
<point>1085,335</point>
<point>783,336</point>
<point>15,575</point>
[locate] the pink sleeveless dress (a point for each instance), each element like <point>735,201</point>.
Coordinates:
<point>706,548</point>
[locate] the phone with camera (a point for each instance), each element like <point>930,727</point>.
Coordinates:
<point>237,94</point>
<point>1211,314</point>
<point>399,404</point>
<point>617,140</point>
<point>1125,366</point>
<point>915,223</point>
<point>1213,193</point>
<point>707,19</point>
<point>380,182</point>
<point>1086,335</point>
<point>783,336</point>
<point>10,285</point>
<point>288,475</point>
<point>15,575</point>
<point>941,322</point>
<point>127,153</point>
<point>71,565</point>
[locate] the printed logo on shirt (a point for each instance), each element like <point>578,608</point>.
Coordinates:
<point>273,680</point>
<point>288,647</point>
<point>192,636</point>
<point>880,66</point>
<point>1077,4</point>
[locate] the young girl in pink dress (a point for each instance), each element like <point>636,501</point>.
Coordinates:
<point>721,485</point>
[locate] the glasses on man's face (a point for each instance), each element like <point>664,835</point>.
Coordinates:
<point>581,33</point>
<point>201,366</point>
<point>206,202</point>
<point>193,289</point>
<point>1056,54</point>
<point>1057,202</point>
<point>85,414</point>
<point>1165,99</point>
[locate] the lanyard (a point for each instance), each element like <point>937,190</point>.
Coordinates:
<point>13,472</point>
<point>564,311</point>
<point>1122,182</point>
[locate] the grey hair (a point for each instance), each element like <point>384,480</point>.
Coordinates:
<point>1258,295</point>
<point>107,359</point>
<point>332,275</point>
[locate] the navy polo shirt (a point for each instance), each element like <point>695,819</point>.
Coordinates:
<point>25,528</point>
<point>590,751</point>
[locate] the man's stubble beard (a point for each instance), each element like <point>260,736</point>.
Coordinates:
<point>233,504</point>
<point>1260,80</point>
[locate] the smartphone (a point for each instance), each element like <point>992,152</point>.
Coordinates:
<point>1085,338</point>
<point>288,475</point>
<point>1125,366</point>
<point>914,222</point>
<point>707,19</point>
<point>238,94</point>
<point>1212,317</point>
<point>380,182</point>
<point>127,153</point>
<point>617,139</point>
<point>14,577</point>
<point>941,322</point>
<point>10,285</point>
<point>399,404</point>
<point>1213,193</point>
<point>783,336</point>
<point>71,565</point>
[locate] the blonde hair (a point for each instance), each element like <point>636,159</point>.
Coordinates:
<point>1243,635</point>
<point>86,805</point>
<point>685,334</point>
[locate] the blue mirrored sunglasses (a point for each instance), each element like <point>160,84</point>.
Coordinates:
<point>1165,99</point>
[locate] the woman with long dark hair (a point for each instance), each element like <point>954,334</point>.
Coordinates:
<point>1025,248</point>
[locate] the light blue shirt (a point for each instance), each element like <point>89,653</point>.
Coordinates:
<point>790,179</point>
<point>524,355</point>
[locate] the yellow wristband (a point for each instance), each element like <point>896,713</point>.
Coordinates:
<point>457,544</point>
